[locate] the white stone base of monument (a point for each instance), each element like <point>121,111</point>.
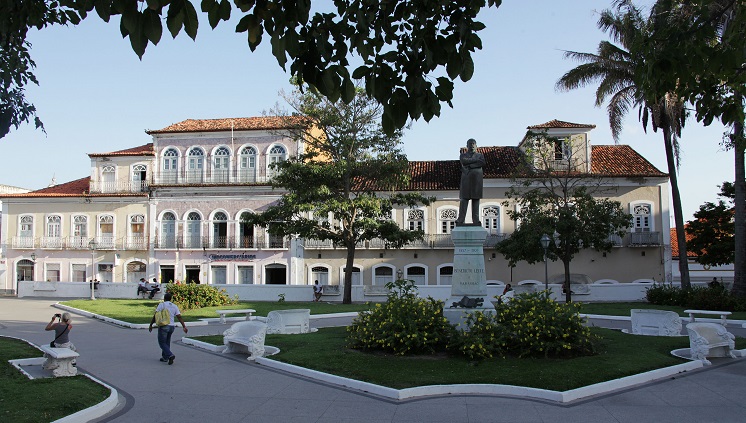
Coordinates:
<point>457,315</point>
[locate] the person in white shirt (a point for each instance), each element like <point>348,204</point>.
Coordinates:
<point>165,332</point>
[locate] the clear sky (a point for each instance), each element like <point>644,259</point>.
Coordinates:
<point>96,96</point>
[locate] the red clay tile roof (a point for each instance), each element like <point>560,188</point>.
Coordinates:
<point>76,188</point>
<point>502,162</point>
<point>675,246</point>
<point>554,123</point>
<point>621,160</point>
<point>236,124</point>
<point>143,150</point>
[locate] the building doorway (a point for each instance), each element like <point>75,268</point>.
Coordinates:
<point>168,275</point>
<point>192,274</point>
<point>25,270</point>
<point>275,274</point>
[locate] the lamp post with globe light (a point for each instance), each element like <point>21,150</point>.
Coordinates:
<point>92,245</point>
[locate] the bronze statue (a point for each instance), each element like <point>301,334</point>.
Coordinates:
<point>471,182</point>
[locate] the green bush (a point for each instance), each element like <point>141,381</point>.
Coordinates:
<point>483,339</point>
<point>405,324</point>
<point>538,326</point>
<point>698,297</point>
<point>192,296</point>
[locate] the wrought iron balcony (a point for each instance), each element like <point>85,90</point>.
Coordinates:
<point>22,242</point>
<point>644,239</point>
<point>103,187</point>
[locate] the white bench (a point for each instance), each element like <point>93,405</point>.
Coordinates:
<point>245,337</point>
<point>655,322</point>
<point>710,340</point>
<point>375,291</point>
<point>60,361</point>
<point>247,311</point>
<point>723,315</point>
<point>330,290</point>
<point>289,321</point>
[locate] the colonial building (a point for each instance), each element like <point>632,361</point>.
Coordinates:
<point>172,209</point>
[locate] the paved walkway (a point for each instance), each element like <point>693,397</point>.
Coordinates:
<point>205,387</point>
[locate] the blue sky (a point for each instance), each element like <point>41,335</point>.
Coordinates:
<point>95,95</point>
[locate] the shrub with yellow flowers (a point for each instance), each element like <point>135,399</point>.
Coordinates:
<point>405,324</point>
<point>535,325</point>
<point>482,338</point>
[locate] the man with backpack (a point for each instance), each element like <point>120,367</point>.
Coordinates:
<point>165,317</point>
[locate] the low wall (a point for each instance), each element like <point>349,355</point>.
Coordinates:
<point>598,292</point>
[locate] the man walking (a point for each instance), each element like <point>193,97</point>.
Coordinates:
<point>165,331</point>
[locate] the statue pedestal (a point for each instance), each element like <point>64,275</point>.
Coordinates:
<point>468,273</point>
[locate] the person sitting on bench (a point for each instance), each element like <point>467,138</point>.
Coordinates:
<point>144,287</point>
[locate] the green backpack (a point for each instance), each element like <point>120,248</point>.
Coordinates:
<point>163,317</point>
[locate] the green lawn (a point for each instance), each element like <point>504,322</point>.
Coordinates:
<point>40,400</point>
<point>141,311</point>
<point>623,355</point>
<point>623,309</point>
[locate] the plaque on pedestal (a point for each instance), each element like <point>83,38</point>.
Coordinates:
<point>469,279</point>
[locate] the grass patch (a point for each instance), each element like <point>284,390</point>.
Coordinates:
<point>623,355</point>
<point>623,309</point>
<point>40,400</point>
<point>141,311</point>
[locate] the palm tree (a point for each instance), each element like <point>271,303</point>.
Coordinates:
<point>614,69</point>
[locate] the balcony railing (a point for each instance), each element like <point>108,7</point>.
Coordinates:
<point>644,239</point>
<point>118,186</point>
<point>138,242</point>
<point>20,242</point>
<point>53,242</point>
<point>210,177</point>
<point>432,241</point>
<point>78,242</point>
<point>106,242</point>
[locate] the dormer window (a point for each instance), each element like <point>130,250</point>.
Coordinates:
<point>561,149</point>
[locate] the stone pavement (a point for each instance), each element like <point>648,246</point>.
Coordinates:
<point>205,387</point>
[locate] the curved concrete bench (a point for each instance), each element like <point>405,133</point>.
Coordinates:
<point>289,321</point>
<point>655,322</point>
<point>245,337</point>
<point>710,340</point>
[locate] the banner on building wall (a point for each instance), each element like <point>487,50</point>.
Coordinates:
<point>231,257</point>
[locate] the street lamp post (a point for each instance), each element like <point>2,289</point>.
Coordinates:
<point>92,246</point>
<point>545,244</point>
<point>33,268</point>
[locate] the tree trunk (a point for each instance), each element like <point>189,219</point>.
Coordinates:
<point>677,212</point>
<point>566,285</point>
<point>739,265</point>
<point>347,297</point>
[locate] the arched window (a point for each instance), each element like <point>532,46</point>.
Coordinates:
<point>105,232</point>
<point>447,219</point>
<point>195,165</point>
<point>26,232</point>
<point>416,274</point>
<point>383,275</point>
<point>170,166</point>
<point>491,219</point>
<point>245,232</point>
<point>139,177</point>
<point>220,230</point>
<point>321,274</point>
<point>137,232</point>
<point>642,217</point>
<point>168,231</point>
<point>53,237</point>
<point>445,275</point>
<point>247,164</point>
<point>277,154</point>
<point>194,230</point>
<point>221,164</point>
<point>415,219</point>
<point>357,276</point>
<point>80,232</point>
<point>108,179</point>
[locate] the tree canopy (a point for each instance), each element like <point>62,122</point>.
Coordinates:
<point>712,231</point>
<point>342,188</point>
<point>407,52</point>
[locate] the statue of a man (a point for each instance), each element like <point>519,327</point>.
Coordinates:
<point>471,182</point>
